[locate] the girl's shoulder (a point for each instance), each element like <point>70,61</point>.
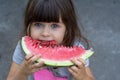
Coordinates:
<point>78,43</point>
<point>18,55</point>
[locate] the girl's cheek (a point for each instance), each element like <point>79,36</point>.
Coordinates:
<point>34,35</point>
<point>59,41</point>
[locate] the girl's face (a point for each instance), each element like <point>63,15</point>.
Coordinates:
<point>48,31</point>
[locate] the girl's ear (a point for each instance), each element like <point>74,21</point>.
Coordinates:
<point>66,32</point>
<point>28,30</point>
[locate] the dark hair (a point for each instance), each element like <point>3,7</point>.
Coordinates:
<point>51,11</point>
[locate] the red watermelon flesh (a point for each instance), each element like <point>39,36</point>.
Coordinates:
<point>53,54</point>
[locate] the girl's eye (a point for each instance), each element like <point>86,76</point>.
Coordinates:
<point>54,26</point>
<point>38,25</point>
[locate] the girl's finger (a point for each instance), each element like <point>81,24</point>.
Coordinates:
<point>74,69</point>
<point>37,69</point>
<point>27,57</point>
<point>81,63</point>
<point>33,59</point>
<point>78,63</point>
<point>81,60</point>
<point>72,72</point>
<point>38,65</point>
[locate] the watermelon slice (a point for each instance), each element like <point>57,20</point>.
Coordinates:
<point>53,54</point>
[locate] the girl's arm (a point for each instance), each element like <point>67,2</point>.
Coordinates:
<point>89,74</point>
<point>79,71</point>
<point>28,66</point>
<point>15,73</point>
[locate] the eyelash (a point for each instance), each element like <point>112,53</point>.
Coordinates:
<point>53,26</point>
<point>39,25</point>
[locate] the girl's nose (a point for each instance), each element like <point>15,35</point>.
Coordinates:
<point>45,32</point>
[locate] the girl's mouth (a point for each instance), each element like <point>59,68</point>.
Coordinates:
<point>44,43</point>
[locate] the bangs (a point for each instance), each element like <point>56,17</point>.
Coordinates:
<point>44,11</point>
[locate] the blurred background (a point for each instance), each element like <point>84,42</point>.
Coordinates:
<point>101,21</point>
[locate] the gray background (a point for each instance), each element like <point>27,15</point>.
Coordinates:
<point>101,21</point>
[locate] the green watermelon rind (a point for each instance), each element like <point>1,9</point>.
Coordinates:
<point>66,63</point>
<point>87,54</point>
<point>24,47</point>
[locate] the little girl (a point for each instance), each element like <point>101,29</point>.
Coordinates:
<point>50,20</point>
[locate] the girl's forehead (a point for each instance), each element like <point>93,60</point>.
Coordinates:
<point>59,21</point>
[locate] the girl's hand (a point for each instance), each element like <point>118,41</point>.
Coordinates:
<point>78,70</point>
<point>29,65</point>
